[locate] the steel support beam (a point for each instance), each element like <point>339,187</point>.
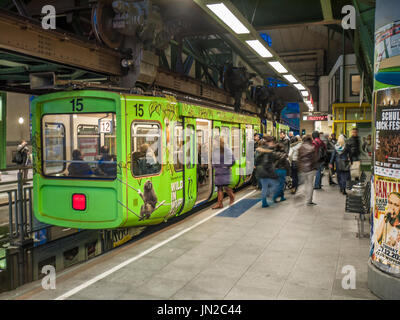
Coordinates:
<point>27,37</point>
<point>327,9</point>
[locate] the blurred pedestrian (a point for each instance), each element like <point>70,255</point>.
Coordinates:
<point>308,162</point>
<point>222,161</point>
<point>320,149</point>
<point>293,157</point>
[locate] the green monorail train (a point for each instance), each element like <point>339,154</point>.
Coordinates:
<point>108,160</point>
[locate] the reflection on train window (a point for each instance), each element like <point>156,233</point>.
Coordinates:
<point>236,142</point>
<point>55,147</point>
<point>190,146</point>
<point>178,147</point>
<point>225,135</point>
<point>146,148</point>
<point>79,145</point>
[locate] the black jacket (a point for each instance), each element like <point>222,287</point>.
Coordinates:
<point>354,144</point>
<point>265,165</point>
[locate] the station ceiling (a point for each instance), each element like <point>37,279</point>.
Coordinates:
<point>306,34</point>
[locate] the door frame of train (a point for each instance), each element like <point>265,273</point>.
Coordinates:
<point>190,174</point>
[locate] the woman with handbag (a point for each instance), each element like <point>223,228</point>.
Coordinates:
<point>343,160</point>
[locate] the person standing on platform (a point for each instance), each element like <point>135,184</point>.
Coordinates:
<point>23,159</point>
<point>354,143</point>
<point>292,137</point>
<point>293,156</point>
<point>285,141</point>
<point>222,161</point>
<point>308,162</point>
<point>282,168</point>
<point>265,170</point>
<point>330,146</point>
<point>257,140</point>
<point>320,149</point>
<point>343,159</point>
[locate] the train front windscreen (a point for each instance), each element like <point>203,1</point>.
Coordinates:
<point>79,145</point>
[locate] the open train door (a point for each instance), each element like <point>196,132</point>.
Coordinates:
<point>190,164</point>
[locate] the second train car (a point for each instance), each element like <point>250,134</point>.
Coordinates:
<point>106,160</point>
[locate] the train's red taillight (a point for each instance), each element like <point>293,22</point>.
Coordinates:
<point>79,201</point>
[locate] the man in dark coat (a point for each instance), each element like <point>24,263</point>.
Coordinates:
<point>318,144</point>
<point>354,144</point>
<point>285,141</point>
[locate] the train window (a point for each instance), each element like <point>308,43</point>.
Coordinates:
<point>225,135</point>
<point>236,142</point>
<point>146,148</point>
<point>77,145</point>
<point>54,147</point>
<point>178,147</point>
<point>190,146</point>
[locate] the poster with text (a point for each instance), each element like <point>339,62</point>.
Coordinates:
<point>387,144</point>
<point>386,225</point>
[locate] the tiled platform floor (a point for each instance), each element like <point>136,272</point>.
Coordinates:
<point>287,251</point>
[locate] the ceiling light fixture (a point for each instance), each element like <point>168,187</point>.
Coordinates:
<point>305,93</point>
<point>278,66</point>
<point>299,86</point>
<point>259,48</point>
<point>222,12</point>
<point>290,78</point>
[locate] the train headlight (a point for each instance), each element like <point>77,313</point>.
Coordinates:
<point>79,202</point>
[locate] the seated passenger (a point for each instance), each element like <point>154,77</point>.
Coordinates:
<point>107,169</point>
<point>151,158</point>
<point>78,169</point>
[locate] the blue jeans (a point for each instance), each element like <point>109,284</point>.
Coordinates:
<point>343,176</point>
<point>281,173</point>
<point>318,176</point>
<point>267,185</point>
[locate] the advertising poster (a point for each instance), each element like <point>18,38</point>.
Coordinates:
<point>387,144</point>
<point>366,144</point>
<point>386,224</point>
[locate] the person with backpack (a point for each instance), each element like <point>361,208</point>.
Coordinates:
<point>320,149</point>
<point>265,171</point>
<point>21,158</point>
<point>282,169</point>
<point>308,162</point>
<point>343,159</point>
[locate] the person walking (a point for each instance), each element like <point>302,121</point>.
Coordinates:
<point>222,161</point>
<point>320,149</point>
<point>308,162</point>
<point>354,143</point>
<point>293,156</point>
<point>343,159</point>
<point>265,171</point>
<point>282,168</point>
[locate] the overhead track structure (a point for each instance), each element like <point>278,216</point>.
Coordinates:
<point>232,20</point>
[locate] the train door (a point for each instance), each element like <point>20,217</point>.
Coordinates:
<point>249,152</point>
<point>236,151</point>
<point>243,146</point>
<point>191,168</point>
<point>204,167</point>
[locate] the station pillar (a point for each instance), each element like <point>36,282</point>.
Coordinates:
<point>384,263</point>
<point>3,129</point>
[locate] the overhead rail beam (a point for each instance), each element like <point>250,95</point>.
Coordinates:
<point>27,37</point>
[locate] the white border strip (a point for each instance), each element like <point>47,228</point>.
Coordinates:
<point>125,263</point>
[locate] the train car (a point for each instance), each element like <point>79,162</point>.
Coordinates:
<point>105,160</point>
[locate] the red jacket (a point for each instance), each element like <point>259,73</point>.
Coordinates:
<point>318,144</point>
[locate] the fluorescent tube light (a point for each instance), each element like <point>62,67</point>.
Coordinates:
<point>278,66</point>
<point>222,12</point>
<point>290,78</point>
<point>299,86</point>
<point>304,93</point>
<point>259,48</point>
